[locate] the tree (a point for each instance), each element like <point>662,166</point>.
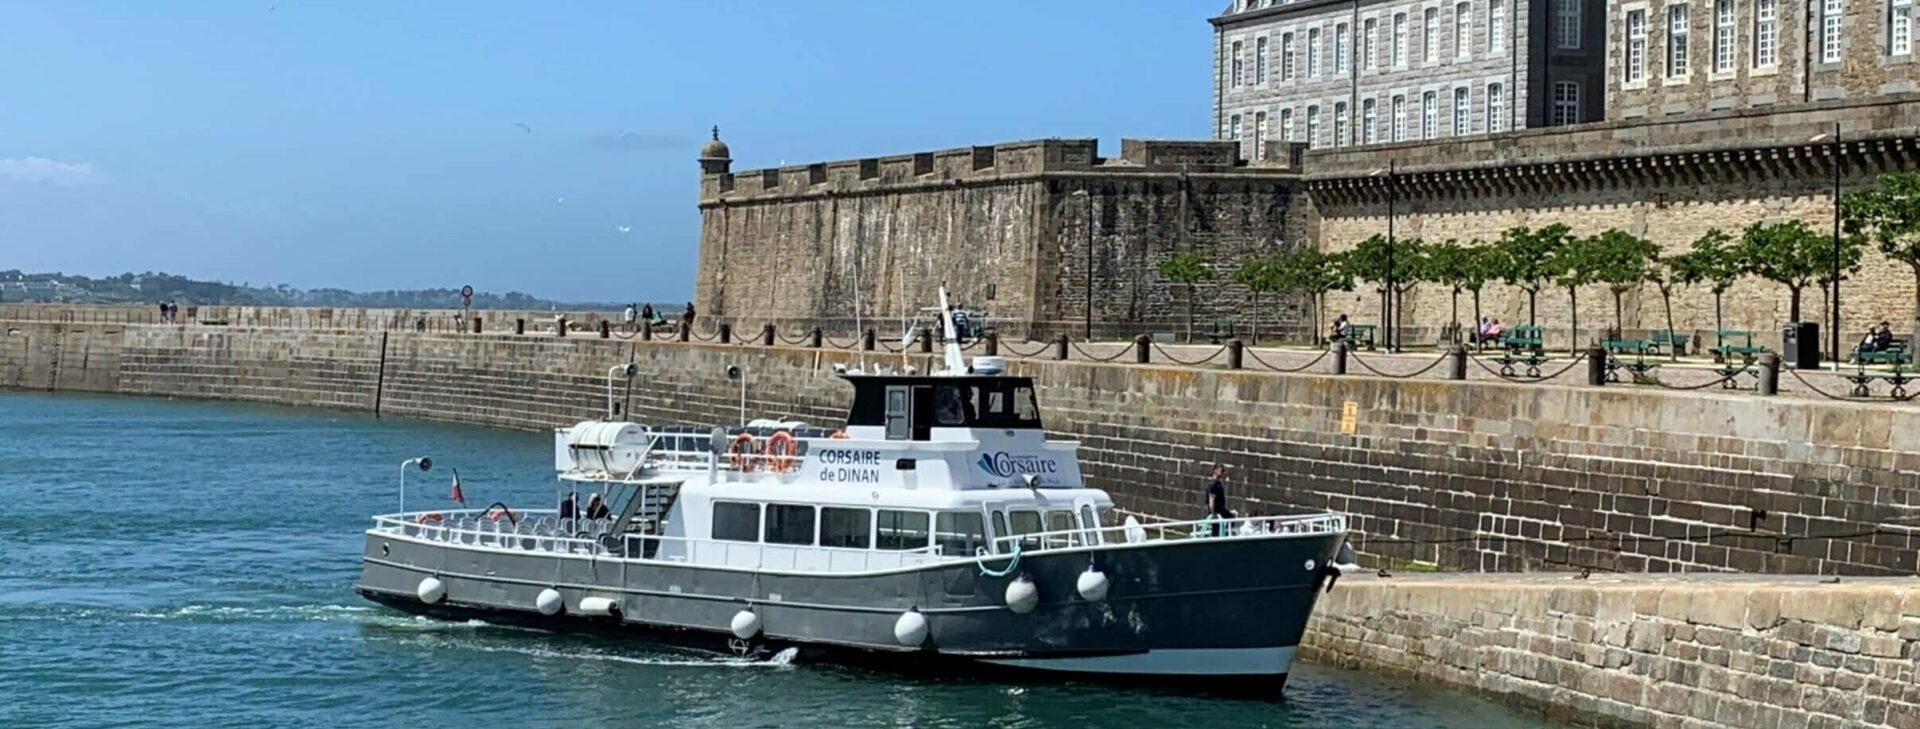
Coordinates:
<point>1317,274</point>
<point>1187,268</point>
<point>1622,261</point>
<point>1260,273</point>
<point>1368,262</point>
<point>1573,265</point>
<point>1788,253</point>
<point>1482,266</point>
<point>1448,264</point>
<point>1890,215</point>
<point>1523,257</point>
<point>1714,261</point>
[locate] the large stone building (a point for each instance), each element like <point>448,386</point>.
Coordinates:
<point>1334,73</point>
<point>1669,57</point>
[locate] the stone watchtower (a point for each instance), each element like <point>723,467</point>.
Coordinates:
<point>715,158</point>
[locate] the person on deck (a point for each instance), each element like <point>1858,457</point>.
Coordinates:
<point>1217,496</point>
<point>567,509</point>
<point>597,509</point>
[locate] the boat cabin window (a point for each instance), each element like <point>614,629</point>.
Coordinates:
<point>736,522</point>
<point>959,532</point>
<point>1060,529</point>
<point>901,531</point>
<point>847,528</point>
<point>789,524</point>
<point>1026,523</point>
<point>910,407</point>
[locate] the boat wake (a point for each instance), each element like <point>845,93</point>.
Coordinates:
<point>782,659</point>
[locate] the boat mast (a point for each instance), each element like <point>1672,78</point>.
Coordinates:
<point>955,364</point>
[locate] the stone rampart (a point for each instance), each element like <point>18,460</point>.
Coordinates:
<point>1642,652</point>
<point>1462,475</point>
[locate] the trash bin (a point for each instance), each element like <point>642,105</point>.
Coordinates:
<point>1800,345</point>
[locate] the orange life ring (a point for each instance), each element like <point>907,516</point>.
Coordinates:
<point>741,453</point>
<point>780,451</point>
<point>431,517</point>
<point>838,435</point>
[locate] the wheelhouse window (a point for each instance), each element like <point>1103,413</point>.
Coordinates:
<point>789,524</point>
<point>847,528</point>
<point>959,532</point>
<point>902,531</point>
<point>736,522</point>
<point>1026,525</point>
<point>1060,529</point>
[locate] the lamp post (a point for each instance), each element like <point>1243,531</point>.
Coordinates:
<point>425,464</point>
<point>1387,303</point>
<point>1833,321</point>
<point>1084,195</point>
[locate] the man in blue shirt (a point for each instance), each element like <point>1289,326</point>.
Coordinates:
<point>1217,496</point>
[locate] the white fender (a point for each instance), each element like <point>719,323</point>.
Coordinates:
<point>746,624</point>
<point>1022,595</point>
<point>910,629</point>
<point>1092,585</point>
<point>549,602</point>
<point>431,590</point>
<point>598,606</point>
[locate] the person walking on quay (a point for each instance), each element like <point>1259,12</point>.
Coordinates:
<point>163,312</point>
<point>1217,496</point>
<point>646,315</point>
<point>686,317</point>
<point>627,317</point>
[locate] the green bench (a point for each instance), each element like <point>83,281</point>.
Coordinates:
<point>1524,337</point>
<point>1736,342</point>
<point>1359,333</point>
<point>1898,352</point>
<point>1223,329</point>
<point>1666,340</point>
<point>1639,348</point>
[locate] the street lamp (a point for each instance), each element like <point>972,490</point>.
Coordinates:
<point>1084,195</point>
<point>1833,337</point>
<point>1387,304</point>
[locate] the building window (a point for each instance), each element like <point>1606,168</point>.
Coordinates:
<point>1830,30</point>
<point>1462,30</point>
<point>1722,36</point>
<point>1566,103</point>
<point>1371,33</point>
<point>1765,34</point>
<point>1900,27</point>
<point>1676,40</point>
<point>1340,124</point>
<point>1429,30</point>
<point>1286,57</point>
<point>1234,129</point>
<point>1313,126</point>
<point>1286,124</point>
<point>1566,23</point>
<point>1399,118</point>
<point>1259,134</point>
<point>1369,116</point>
<point>1462,113</point>
<point>1636,45</point>
<point>1236,64</point>
<point>1429,115</point>
<point>1260,60</point>
<point>1399,40</point>
<point>1496,109</point>
<point>1313,53</point>
<point>1340,48</point>
<point>1496,26</point>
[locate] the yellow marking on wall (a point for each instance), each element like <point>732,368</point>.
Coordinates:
<point>1349,417</point>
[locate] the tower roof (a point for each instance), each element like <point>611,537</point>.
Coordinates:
<point>715,149</point>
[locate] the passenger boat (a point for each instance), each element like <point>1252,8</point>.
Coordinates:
<point>940,529</point>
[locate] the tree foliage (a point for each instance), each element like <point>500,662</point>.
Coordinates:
<point>1186,268</point>
<point>1792,254</point>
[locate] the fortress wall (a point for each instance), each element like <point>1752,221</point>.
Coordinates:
<point>1460,475</point>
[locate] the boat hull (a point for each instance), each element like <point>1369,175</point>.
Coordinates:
<point>1220,612</point>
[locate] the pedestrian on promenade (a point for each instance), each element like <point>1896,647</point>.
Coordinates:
<point>686,317</point>
<point>1217,496</point>
<point>627,317</point>
<point>163,312</point>
<point>646,315</point>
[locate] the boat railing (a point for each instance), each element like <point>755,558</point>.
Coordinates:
<point>689,452</point>
<point>1161,528</point>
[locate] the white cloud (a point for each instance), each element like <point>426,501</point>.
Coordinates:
<point>41,170</point>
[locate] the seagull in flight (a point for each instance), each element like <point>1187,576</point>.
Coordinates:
<point>524,127</point>
<point>623,228</point>
<point>561,201</point>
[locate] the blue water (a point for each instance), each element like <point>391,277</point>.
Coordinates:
<point>172,563</point>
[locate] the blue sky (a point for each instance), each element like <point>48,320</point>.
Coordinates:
<point>373,145</point>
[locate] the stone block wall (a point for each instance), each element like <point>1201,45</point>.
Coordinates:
<point>1638,653</point>
<point>1459,475</point>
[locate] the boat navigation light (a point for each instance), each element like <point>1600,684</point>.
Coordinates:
<point>425,464</point>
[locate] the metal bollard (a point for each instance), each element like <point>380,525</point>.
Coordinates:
<point>766,334</point>
<point>560,327</point>
<point>606,329</point>
<point>1457,362</point>
<point>1340,357</point>
<point>993,343</point>
<point>1769,373</point>
<point>1234,350</point>
<point>1596,366</point>
<point>726,333</point>
<point>815,336</point>
<point>1141,345</point>
<point>866,341</point>
<point>1060,348</point>
<point>646,331</point>
<point>519,326</point>
<point>476,325</point>
<point>926,341</point>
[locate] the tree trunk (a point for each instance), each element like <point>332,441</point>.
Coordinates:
<point>1619,328</point>
<point>1533,307</point>
<point>1916,303</point>
<point>1719,325</point>
<point>1480,345</point>
<point>1793,309</point>
<point>1253,322</point>
<point>1673,350</point>
<point>1190,303</point>
<point>1573,313</point>
<point>1456,313</point>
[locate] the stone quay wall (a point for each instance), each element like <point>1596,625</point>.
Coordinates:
<point>1460,475</point>
<point>1642,652</point>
